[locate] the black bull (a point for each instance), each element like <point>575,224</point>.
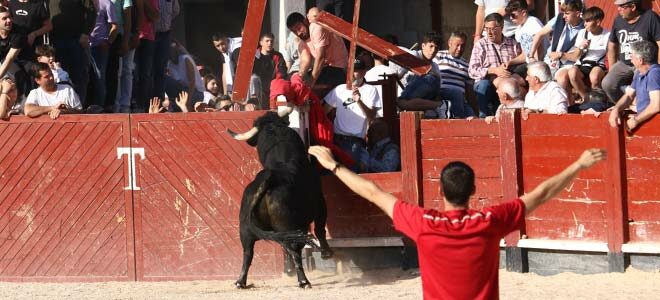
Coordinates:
<point>284,198</point>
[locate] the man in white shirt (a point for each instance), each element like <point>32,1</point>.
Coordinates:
<point>50,98</point>
<point>354,110</point>
<point>545,95</point>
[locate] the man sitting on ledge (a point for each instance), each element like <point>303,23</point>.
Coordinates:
<point>50,98</point>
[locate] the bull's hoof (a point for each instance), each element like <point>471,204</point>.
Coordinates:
<point>240,285</point>
<point>305,285</point>
<point>327,253</point>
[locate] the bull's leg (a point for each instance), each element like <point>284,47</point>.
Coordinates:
<point>295,250</point>
<point>247,240</point>
<point>319,231</point>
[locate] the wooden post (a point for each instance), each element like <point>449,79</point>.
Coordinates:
<point>512,182</point>
<point>351,52</point>
<point>616,214</point>
<point>411,162</point>
<point>251,32</point>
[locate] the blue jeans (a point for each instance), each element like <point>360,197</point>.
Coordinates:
<point>353,146</point>
<point>486,98</point>
<point>100,55</point>
<point>144,59</point>
<point>123,102</point>
<point>459,109</point>
<point>424,87</point>
<point>161,56</point>
<point>75,61</point>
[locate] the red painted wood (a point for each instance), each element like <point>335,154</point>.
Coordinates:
<point>614,177</point>
<point>410,152</point>
<point>511,163</point>
<point>483,167</point>
<point>65,216</point>
<point>461,147</point>
<point>557,125</point>
<point>251,33</point>
<point>432,129</point>
<point>373,43</point>
<point>353,43</point>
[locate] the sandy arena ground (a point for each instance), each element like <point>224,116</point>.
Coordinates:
<point>380,285</point>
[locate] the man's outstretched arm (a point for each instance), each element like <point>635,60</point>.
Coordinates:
<point>363,187</point>
<point>552,186</point>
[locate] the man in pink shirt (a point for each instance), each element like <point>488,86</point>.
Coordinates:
<point>458,247</point>
<point>326,50</point>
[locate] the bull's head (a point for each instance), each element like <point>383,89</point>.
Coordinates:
<point>251,135</point>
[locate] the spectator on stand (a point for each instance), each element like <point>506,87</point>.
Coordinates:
<point>212,89</point>
<point>354,109</point>
<point>145,53</point>
<point>330,57</point>
<point>631,25</point>
<point>589,54</point>
<point>489,64</point>
<point>8,97</point>
<point>292,54</point>
<point>510,96</point>
<point>381,154</point>
<point>487,7</point>
<point>268,65</point>
<point>168,9</point>
<point>545,95</point>
<point>183,77</point>
<point>527,27</point>
<point>564,29</point>
<point>103,35</point>
<point>454,75</point>
<point>11,45</point>
<point>644,90</point>
<point>226,68</point>
<point>50,98</point>
<point>32,19</point>
<point>119,49</point>
<point>73,21</point>
<point>46,54</point>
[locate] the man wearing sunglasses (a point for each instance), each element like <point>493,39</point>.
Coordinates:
<point>632,25</point>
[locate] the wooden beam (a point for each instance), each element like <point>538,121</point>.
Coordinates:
<point>373,44</point>
<point>616,209</point>
<point>411,163</point>
<point>512,182</point>
<point>351,52</point>
<point>251,32</point>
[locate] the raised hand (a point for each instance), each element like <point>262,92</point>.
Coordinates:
<point>182,101</point>
<point>154,106</point>
<point>591,156</point>
<point>323,155</point>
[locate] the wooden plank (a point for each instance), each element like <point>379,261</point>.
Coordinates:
<point>411,164</point>
<point>581,189</point>
<point>432,129</point>
<point>559,146</point>
<point>643,189</point>
<point>555,125</point>
<point>461,147</point>
<point>644,231</point>
<point>616,210</point>
<point>643,147</point>
<point>640,169</point>
<point>483,167</point>
<point>644,211</point>
<point>489,192</point>
<point>251,32</point>
<point>373,44</point>
<point>565,229</point>
<point>546,167</point>
<point>351,50</point>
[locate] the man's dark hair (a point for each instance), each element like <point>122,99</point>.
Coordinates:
<point>267,35</point>
<point>495,17</point>
<point>457,179</point>
<point>45,50</point>
<point>593,13</point>
<point>219,37</point>
<point>37,68</point>
<point>572,5</point>
<point>515,5</point>
<point>294,18</point>
<point>597,95</point>
<point>431,37</point>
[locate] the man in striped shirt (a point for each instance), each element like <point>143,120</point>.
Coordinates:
<point>454,74</point>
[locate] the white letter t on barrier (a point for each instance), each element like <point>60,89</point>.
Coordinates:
<point>131,152</point>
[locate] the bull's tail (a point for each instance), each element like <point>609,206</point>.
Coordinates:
<point>292,236</point>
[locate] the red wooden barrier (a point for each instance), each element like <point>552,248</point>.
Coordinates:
<point>64,213</point>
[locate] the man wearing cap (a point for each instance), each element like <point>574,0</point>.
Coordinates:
<point>354,109</point>
<point>633,24</point>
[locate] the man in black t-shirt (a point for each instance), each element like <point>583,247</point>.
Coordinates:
<point>268,65</point>
<point>32,19</point>
<point>11,44</point>
<point>632,25</point>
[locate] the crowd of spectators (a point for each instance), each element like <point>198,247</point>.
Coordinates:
<point>94,56</point>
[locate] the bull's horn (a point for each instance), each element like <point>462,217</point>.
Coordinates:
<point>284,112</point>
<point>243,136</point>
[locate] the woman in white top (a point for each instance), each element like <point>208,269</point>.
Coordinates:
<point>589,53</point>
<point>183,76</point>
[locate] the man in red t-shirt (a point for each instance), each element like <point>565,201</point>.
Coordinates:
<point>458,247</point>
